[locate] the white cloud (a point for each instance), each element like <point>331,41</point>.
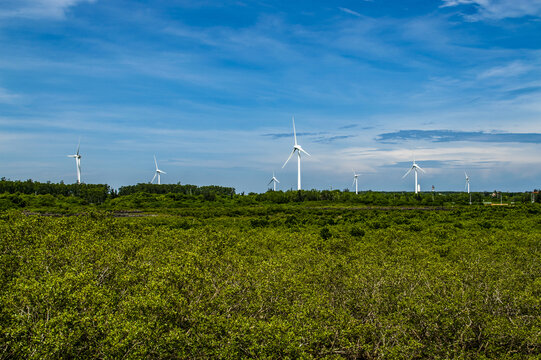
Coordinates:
<point>349,11</point>
<point>512,69</point>
<point>37,9</point>
<point>7,97</point>
<point>498,9</point>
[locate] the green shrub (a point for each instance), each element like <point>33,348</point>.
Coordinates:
<point>325,233</point>
<point>357,232</point>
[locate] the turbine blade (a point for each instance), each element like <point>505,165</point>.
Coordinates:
<point>418,167</point>
<point>304,151</point>
<point>78,146</point>
<point>163,172</point>
<point>406,174</point>
<point>151,181</point>
<point>270,182</point>
<point>277,180</point>
<point>294,131</point>
<point>155,162</point>
<point>290,155</point>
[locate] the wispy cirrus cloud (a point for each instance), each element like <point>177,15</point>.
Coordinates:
<point>514,68</point>
<point>349,11</point>
<point>7,97</point>
<point>37,9</point>
<point>451,135</point>
<point>498,9</point>
<point>526,90</point>
<point>330,139</point>
<point>283,135</point>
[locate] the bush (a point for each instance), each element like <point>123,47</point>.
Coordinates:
<point>357,232</point>
<point>325,233</point>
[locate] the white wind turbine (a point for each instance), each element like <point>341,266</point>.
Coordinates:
<point>298,149</point>
<point>356,181</point>
<point>77,158</point>
<point>274,180</point>
<point>415,168</point>
<point>467,186</point>
<point>158,172</point>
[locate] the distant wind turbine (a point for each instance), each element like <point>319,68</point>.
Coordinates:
<point>77,157</point>
<point>356,181</point>
<point>415,168</point>
<point>157,173</point>
<point>274,180</point>
<point>467,186</point>
<point>298,149</point>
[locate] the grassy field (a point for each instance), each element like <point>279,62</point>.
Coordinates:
<point>273,281</point>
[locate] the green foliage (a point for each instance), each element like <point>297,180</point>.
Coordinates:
<point>357,232</point>
<point>77,198</point>
<point>91,193</point>
<point>175,189</point>
<point>272,282</point>
<point>325,233</point>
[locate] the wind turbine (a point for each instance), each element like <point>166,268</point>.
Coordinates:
<point>274,180</point>
<point>298,149</point>
<point>77,157</point>
<point>467,186</point>
<point>415,168</point>
<point>355,181</point>
<point>158,172</point>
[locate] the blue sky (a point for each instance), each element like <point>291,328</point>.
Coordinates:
<point>210,88</point>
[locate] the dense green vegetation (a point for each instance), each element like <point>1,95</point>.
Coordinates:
<point>86,193</point>
<point>218,279</point>
<point>176,189</point>
<point>75,198</point>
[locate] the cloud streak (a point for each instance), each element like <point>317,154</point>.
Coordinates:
<point>451,136</point>
<point>349,11</point>
<point>37,9</point>
<point>497,9</point>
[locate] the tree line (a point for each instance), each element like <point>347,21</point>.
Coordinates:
<point>33,194</point>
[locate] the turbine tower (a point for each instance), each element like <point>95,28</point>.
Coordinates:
<point>77,158</point>
<point>356,181</point>
<point>274,180</point>
<point>298,149</point>
<point>467,186</point>
<point>415,168</point>
<point>158,172</point>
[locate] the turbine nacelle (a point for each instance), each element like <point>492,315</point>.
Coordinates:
<point>300,149</point>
